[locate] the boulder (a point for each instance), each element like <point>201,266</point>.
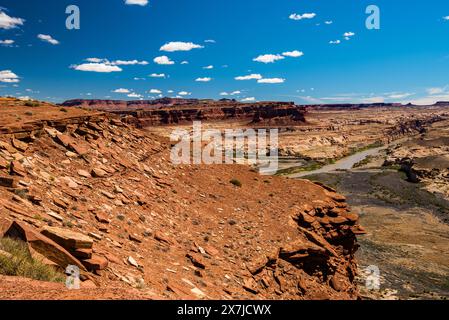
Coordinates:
<point>95,263</point>
<point>42,245</point>
<point>19,145</point>
<point>67,238</point>
<point>8,182</point>
<point>98,173</point>
<point>17,169</point>
<point>197,260</point>
<point>82,253</point>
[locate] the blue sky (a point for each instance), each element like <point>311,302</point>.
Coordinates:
<point>406,60</point>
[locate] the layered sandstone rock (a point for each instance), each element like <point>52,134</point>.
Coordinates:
<point>120,209</point>
<point>178,111</point>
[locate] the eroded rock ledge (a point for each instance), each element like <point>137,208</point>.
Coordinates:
<point>104,195</point>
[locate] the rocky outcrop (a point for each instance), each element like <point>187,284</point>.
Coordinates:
<point>178,111</point>
<point>104,195</point>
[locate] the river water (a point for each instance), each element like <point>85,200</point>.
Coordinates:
<point>342,164</point>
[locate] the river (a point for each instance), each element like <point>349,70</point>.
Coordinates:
<point>342,164</point>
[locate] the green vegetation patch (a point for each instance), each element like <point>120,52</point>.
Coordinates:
<point>17,261</point>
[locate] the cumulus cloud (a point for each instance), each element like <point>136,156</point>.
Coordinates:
<point>293,54</point>
<point>180,46</point>
<point>268,58</point>
<point>97,67</point>
<point>7,22</point>
<point>157,75</point>
<point>295,16</point>
<point>137,2</point>
<point>95,60</point>
<point>6,42</point>
<point>208,67</point>
<point>335,42</point>
<point>254,76</point>
<point>155,91</point>
<point>249,99</point>
<point>233,93</point>
<point>206,79</point>
<point>163,60</point>
<point>135,95</point>
<point>185,62</point>
<point>121,90</point>
<point>348,35</point>
<point>48,38</point>
<point>184,93</point>
<point>446,18</point>
<point>271,80</point>
<point>129,62</point>
<point>328,22</point>
<point>7,76</point>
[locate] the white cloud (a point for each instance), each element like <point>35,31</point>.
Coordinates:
<point>180,46</point>
<point>434,91</point>
<point>293,54</point>
<point>254,76</point>
<point>129,62</point>
<point>170,91</point>
<point>295,16</point>
<point>235,93</point>
<point>271,80</point>
<point>134,95</point>
<point>328,22</point>
<point>348,35</point>
<point>137,2</point>
<point>121,90</point>
<point>446,18</point>
<point>185,62</point>
<point>155,91</point>
<point>399,95</point>
<point>7,22</point>
<point>210,41</point>
<point>224,94</point>
<point>48,38</point>
<point>335,42</point>
<point>97,67</point>
<point>6,42</point>
<point>249,99</point>
<point>157,75</point>
<point>268,58</point>
<point>163,60</point>
<point>184,93</point>
<point>95,60</point>
<point>7,76</point>
<point>208,67</point>
<point>206,79</point>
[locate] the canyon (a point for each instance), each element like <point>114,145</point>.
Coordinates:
<point>85,188</point>
<point>94,180</point>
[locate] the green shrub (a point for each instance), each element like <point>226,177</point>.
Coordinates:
<point>32,104</point>
<point>21,264</point>
<point>236,183</point>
